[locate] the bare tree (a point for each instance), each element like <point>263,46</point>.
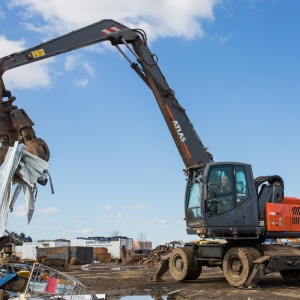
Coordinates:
<point>116,233</point>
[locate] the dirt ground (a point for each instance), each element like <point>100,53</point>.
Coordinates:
<point>117,280</point>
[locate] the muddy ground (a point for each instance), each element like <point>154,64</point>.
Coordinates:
<point>117,280</point>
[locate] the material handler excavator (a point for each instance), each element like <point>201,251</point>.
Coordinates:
<point>222,201</point>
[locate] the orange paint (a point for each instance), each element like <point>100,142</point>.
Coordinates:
<point>283,217</point>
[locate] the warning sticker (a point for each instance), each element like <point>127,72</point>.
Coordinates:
<point>38,53</point>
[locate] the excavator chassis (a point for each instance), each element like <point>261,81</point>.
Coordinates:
<point>243,265</point>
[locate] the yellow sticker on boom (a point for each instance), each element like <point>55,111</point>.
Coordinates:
<point>38,53</point>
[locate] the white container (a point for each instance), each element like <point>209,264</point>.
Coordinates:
<point>29,249</point>
<point>113,244</point>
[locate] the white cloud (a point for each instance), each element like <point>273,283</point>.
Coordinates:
<point>71,61</point>
<point>158,17</point>
<point>114,216</point>
<point>74,61</point>
<point>81,82</point>
<point>105,207</point>
<point>221,39</point>
<point>49,210</point>
<point>134,206</point>
<point>162,222</point>
<point>88,69</point>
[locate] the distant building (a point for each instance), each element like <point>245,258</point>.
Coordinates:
<point>116,245</point>
<point>28,251</point>
<point>142,245</point>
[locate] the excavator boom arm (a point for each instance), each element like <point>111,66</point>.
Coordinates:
<point>186,139</point>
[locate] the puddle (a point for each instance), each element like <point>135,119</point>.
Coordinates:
<point>113,268</point>
<point>147,297</point>
<point>169,296</point>
<point>125,268</point>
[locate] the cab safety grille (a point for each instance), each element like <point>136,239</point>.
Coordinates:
<point>295,220</point>
<point>296,210</point>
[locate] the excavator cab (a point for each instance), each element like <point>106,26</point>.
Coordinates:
<point>221,201</point>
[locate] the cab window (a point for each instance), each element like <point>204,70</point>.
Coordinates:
<point>242,192</point>
<point>220,189</point>
<point>194,199</point>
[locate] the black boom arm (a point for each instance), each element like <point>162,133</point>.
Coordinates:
<point>186,139</point>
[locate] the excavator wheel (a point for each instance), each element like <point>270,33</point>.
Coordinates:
<point>197,271</point>
<point>291,276</point>
<point>238,264</point>
<point>183,265</point>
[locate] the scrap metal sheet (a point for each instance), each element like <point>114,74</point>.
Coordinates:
<point>7,171</point>
<point>30,169</point>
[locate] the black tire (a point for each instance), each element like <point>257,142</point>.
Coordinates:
<point>197,271</point>
<point>238,264</point>
<point>183,266</point>
<point>291,276</point>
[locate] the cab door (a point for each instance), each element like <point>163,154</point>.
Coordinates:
<point>229,201</point>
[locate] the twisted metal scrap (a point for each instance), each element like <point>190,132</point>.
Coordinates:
<point>29,169</point>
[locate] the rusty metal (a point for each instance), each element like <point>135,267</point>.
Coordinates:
<point>15,125</point>
<point>159,257</point>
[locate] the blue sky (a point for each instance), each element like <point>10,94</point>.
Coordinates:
<point>234,67</point>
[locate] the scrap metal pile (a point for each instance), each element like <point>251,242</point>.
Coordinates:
<point>158,254</point>
<point>24,281</point>
<point>25,170</point>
